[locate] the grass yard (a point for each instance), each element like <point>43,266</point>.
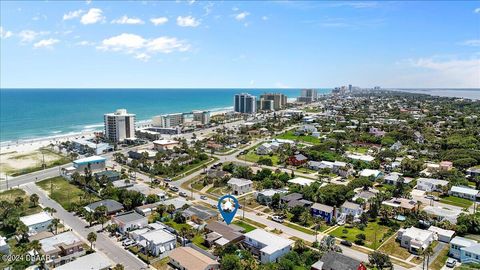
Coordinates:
<point>299,228</point>
<point>251,156</point>
<point>66,193</point>
<point>198,241</point>
<point>392,247</point>
<point>26,208</point>
<point>290,135</point>
<point>460,202</point>
<point>246,226</point>
<point>369,232</point>
<point>357,149</point>
<point>254,223</point>
<point>191,168</point>
<point>177,226</point>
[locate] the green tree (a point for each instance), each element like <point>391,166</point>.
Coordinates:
<point>91,237</point>
<point>380,260</point>
<point>34,199</point>
<point>230,262</point>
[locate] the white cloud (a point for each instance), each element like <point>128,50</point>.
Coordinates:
<point>477,10</point>
<point>264,18</point>
<point>141,47</point>
<point>241,16</point>
<point>72,14</point>
<point>281,85</point>
<point>142,57</point>
<point>4,33</point>
<point>93,16</point>
<point>46,43</point>
<point>27,36</point>
<point>127,20</point>
<point>187,21</point>
<point>451,72</point>
<point>88,2</point>
<point>159,20</point>
<point>471,42</point>
<point>85,43</point>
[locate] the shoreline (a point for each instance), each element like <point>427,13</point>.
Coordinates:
<point>33,144</point>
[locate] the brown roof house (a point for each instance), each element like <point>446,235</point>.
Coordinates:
<point>187,258</point>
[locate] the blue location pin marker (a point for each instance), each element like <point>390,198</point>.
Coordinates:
<point>228,208</point>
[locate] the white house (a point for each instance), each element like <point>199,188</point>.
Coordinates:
<point>93,261</point>
<point>270,247</point>
<point>37,222</point>
<point>371,173</point>
<point>240,186</point>
<point>264,149</point>
<point>365,158</point>
<point>414,239</point>
<point>349,208</point>
<point>301,181</point>
<point>431,184</point>
<point>464,192</point>
<point>157,241</point>
<point>129,221</point>
<point>442,234</point>
<point>393,179</point>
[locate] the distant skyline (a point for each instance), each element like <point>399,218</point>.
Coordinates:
<point>234,44</point>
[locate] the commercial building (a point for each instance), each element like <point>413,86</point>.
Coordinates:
<point>93,163</point>
<point>163,145</point>
<point>272,102</point>
<point>245,103</point>
<point>308,96</point>
<point>268,246</point>
<point>168,120</point>
<point>188,258</point>
<point>37,222</point>
<point>119,125</point>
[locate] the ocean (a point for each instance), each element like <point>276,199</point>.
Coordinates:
<point>27,114</point>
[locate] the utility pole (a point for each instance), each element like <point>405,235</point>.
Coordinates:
<point>244,206</point>
<point>6,179</point>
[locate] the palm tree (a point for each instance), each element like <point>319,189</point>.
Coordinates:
<point>304,218</point>
<point>18,202</point>
<point>34,199</point>
<point>118,267</point>
<point>427,252</point>
<point>161,209</point>
<point>22,230</point>
<point>89,217</point>
<point>49,210</point>
<point>54,224</point>
<point>36,246</point>
<point>171,209</point>
<point>91,237</point>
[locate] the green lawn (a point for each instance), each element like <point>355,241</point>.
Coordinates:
<point>251,156</point>
<point>299,228</point>
<point>198,241</point>
<point>161,264</point>
<point>246,226</point>
<point>290,135</point>
<point>26,208</point>
<point>66,193</point>
<point>369,232</point>
<point>191,168</point>
<point>358,149</point>
<point>393,248</point>
<point>177,226</point>
<point>460,202</point>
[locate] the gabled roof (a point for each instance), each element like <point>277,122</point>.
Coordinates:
<point>334,260</point>
<point>191,259</point>
<point>322,207</point>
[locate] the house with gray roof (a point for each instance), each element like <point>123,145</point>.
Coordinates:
<point>336,261</point>
<point>129,221</point>
<point>112,206</point>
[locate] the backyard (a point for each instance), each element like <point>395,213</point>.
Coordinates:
<point>460,202</point>
<point>65,193</point>
<point>392,247</point>
<point>251,156</point>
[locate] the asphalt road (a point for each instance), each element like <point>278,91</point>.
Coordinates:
<point>104,244</point>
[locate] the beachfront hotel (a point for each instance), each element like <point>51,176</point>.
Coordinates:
<point>308,96</point>
<point>119,125</point>
<point>245,103</point>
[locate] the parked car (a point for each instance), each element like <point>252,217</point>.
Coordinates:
<point>183,194</point>
<point>451,262</point>
<point>174,189</point>
<point>346,243</point>
<point>167,180</point>
<point>128,242</point>
<point>277,219</point>
<point>203,197</point>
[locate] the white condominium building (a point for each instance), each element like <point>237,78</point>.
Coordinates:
<point>119,125</point>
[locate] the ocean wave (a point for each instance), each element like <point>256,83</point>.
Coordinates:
<point>221,109</point>
<point>93,126</point>
<point>56,131</point>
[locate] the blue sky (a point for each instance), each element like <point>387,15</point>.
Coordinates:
<point>250,44</point>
